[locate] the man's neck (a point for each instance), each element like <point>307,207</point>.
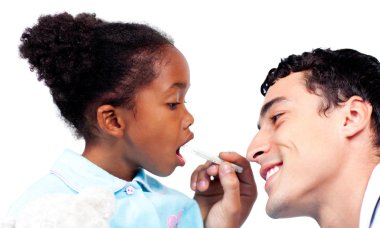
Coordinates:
<point>342,202</point>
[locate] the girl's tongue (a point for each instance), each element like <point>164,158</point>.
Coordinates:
<point>181,160</point>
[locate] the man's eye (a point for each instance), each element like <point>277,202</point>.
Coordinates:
<point>173,106</point>
<point>276,117</point>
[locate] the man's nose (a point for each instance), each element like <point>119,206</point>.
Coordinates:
<point>260,145</point>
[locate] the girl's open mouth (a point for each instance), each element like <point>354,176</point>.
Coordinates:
<point>181,160</point>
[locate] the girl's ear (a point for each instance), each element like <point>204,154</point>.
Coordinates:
<point>109,120</point>
<point>357,115</point>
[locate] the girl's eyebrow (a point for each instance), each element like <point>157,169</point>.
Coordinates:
<point>181,85</point>
<point>178,86</point>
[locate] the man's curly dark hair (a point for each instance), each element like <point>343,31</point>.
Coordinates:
<point>336,76</point>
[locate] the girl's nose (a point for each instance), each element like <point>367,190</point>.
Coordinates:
<point>189,119</point>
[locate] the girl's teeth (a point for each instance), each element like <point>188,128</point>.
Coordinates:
<point>272,171</point>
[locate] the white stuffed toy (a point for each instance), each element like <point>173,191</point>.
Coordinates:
<point>90,208</point>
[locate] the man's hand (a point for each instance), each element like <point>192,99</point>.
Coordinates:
<point>224,197</point>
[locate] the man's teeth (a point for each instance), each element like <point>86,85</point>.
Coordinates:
<point>272,171</point>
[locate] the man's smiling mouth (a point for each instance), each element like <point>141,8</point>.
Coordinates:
<point>272,171</point>
<point>268,170</point>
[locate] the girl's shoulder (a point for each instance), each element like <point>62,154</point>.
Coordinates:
<point>47,185</point>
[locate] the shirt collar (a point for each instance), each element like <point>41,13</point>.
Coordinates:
<point>79,173</point>
<point>371,197</point>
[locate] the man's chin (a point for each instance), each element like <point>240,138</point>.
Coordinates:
<point>277,210</point>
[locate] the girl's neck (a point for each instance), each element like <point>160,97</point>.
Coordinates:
<point>111,160</point>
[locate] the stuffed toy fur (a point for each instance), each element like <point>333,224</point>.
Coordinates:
<point>90,208</point>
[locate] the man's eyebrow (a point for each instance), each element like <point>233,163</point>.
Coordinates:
<point>268,105</point>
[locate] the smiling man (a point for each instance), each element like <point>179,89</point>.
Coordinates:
<point>318,142</point>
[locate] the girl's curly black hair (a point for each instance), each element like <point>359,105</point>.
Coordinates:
<point>87,62</point>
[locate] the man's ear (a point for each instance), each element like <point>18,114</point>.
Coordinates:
<point>357,113</point>
<point>110,121</point>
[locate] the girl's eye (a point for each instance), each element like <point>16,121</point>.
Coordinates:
<point>276,117</point>
<point>173,106</point>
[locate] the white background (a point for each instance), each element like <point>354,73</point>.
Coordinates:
<point>230,46</point>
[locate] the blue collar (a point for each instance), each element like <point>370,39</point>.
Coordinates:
<point>79,173</point>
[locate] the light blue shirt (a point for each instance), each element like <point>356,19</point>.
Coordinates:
<point>143,202</point>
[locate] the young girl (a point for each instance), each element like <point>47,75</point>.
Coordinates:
<point>121,86</point>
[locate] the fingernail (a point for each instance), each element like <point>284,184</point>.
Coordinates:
<point>201,183</point>
<point>227,168</point>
